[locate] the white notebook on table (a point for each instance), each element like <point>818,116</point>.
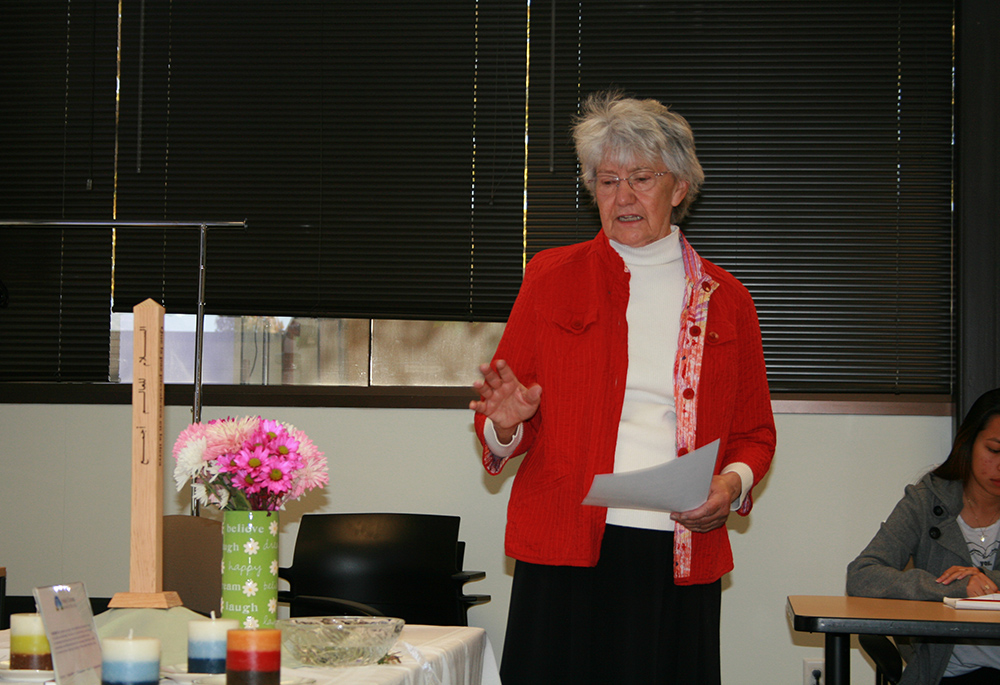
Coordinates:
<point>987,602</point>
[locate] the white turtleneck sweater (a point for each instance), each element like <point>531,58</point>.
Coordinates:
<point>647,435</point>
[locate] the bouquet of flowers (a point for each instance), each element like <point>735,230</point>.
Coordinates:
<point>247,464</point>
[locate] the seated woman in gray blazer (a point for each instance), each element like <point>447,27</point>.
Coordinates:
<point>948,525</point>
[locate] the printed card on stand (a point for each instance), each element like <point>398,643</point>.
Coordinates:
<point>69,626</point>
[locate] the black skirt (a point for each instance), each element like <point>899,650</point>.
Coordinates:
<point>622,621</point>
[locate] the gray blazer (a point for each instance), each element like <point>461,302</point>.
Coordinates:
<point>922,527</point>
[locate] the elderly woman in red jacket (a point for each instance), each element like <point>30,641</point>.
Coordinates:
<point>621,353</point>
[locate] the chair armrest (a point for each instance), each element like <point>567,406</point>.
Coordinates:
<point>474,600</point>
<point>468,576</point>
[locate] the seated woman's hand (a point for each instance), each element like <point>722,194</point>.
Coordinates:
<point>979,583</point>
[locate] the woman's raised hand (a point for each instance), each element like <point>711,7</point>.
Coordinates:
<point>504,399</point>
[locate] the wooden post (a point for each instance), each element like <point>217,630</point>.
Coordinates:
<point>146,548</point>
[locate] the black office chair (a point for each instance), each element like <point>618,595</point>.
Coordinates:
<point>403,565</point>
<point>307,605</point>
<point>888,662</point>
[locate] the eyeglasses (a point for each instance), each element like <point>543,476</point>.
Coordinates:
<point>640,181</point>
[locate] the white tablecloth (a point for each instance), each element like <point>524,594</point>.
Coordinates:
<point>429,655</point>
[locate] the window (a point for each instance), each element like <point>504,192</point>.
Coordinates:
<point>271,350</point>
<point>825,131</point>
<point>370,146</point>
<point>379,155</point>
<point>376,152</point>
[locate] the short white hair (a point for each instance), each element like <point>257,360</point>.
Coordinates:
<point>617,129</point>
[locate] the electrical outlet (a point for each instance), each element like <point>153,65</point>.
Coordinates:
<point>809,668</point>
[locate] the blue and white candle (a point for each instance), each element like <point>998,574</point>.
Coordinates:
<point>130,660</point>
<point>207,644</point>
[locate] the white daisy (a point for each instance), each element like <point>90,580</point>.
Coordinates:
<point>222,494</point>
<point>189,462</point>
<point>200,493</point>
<point>250,588</point>
<point>251,547</point>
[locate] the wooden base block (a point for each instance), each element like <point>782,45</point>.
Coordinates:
<point>145,600</point>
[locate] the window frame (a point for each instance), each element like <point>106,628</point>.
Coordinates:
<point>419,397</point>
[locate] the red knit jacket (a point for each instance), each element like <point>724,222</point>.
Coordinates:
<point>567,332</point>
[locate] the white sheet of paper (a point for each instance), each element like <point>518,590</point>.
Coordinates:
<point>679,485</point>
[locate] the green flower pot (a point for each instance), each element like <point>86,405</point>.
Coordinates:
<point>250,567</point>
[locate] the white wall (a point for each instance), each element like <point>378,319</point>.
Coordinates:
<point>64,505</point>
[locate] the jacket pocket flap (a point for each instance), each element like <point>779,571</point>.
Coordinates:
<point>574,321</point>
<point>720,332</point>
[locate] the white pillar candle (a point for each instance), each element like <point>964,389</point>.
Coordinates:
<point>130,660</point>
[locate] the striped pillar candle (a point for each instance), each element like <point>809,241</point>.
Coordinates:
<point>130,660</point>
<point>253,657</point>
<point>207,644</point>
<point>29,648</point>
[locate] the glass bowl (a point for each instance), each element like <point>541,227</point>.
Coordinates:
<point>339,640</point>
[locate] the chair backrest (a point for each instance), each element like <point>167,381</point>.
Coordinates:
<point>400,564</point>
<point>308,605</point>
